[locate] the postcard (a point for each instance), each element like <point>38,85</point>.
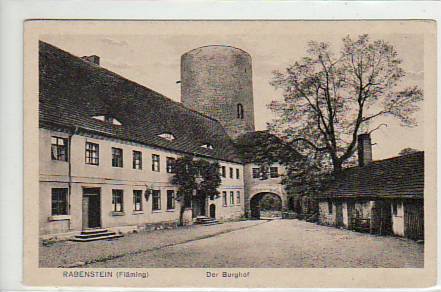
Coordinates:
<point>230,153</point>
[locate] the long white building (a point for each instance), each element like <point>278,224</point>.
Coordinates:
<point>105,140</point>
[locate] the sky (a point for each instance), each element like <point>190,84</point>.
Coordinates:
<point>149,54</point>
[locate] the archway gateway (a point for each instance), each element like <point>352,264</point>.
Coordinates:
<point>266,204</point>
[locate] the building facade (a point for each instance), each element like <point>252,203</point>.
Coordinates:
<point>259,184</point>
<point>107,145</point>
<point>97,189</point>
<point>383,197</point>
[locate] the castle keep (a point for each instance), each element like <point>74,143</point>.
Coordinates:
<point>217,81</point>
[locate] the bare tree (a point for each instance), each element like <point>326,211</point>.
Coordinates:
<point>328,98</point>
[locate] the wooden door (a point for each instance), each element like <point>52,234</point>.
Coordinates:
<point>351,207</point>
<point>212,211</point>
<point>381,218</point>
<point>386,219</point>
<point>94,212</point>
<point>414,219</point>
<point>339,214</point>
<point>91,207</point>
<point>202,203</point>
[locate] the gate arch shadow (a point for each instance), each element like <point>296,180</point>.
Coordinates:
<point>266,204</point>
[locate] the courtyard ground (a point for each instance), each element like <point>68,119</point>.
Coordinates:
<point>75,254</point>
<point>253,244</point>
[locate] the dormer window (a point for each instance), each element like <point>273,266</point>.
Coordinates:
<point>108,119</point>
<point>167,136</point>
<point>207,146</point>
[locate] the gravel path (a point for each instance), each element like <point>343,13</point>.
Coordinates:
<point>74,254</point>
<point>281,244</point>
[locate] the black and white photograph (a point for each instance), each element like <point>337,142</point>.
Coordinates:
<point>232,145</point>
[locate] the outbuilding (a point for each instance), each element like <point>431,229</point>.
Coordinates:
<point>384,197</point>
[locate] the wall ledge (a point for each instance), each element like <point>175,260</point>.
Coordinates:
<point>59,217</point>
<point>137,212</point>
<point>114,213</point>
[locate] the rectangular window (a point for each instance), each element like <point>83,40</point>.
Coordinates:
<point>117,200</point>
<point>329,207</point>
<point>255,172</point>
<point>223,171</point>
<point>137,200</point>
<point>274,172</point>
<point>231,172</point>
<point>231,198</point>
<point>170,199</point>
<point>224,198</point>
<point>59,201</point>
<point>156,200</point>
<point>59,149</point>
<point>237,173</point>
<point>155,162</point>
<point>395,208</point>
<point>92,153</point>
<point>137,160</point>
<point>170,162</point>
<point>117,157</point>
<point>238,197</point>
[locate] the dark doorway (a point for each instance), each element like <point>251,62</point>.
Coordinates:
<point>291,204</point>
<point>91,208</point>
<point>199,206</point>
<point>351,215</point>
<point>213,211</point>
<point>255,209</point>
<point>381,221</point>
<point>202,202</point>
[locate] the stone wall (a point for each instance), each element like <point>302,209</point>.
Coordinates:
<point>398,219</point>
<point>325,217</point>
<point>214,80</point>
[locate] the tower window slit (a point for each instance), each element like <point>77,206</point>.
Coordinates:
<point>240,111</point>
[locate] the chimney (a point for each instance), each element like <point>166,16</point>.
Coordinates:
<point>364,149</point>
<point>92,59</point>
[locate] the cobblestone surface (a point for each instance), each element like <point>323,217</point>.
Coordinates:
<point>72,254</point>
<point>282,244</point>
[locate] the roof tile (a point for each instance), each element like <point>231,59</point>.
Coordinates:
<point>397,176</point>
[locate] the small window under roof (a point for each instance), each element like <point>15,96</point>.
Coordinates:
<point>167,136</point>
<point>107,119</point>
<point>207,146</point>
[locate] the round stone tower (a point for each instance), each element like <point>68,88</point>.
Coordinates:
<point>217,81</point>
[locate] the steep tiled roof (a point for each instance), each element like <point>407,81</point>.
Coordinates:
<point>401,176</point>
<point>72,91</point>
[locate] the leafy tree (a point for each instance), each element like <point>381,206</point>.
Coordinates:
<point>407,151</point>
<point>184,177</point>
<point>195,177</point>
<point>263,148</point>
<point>211,179</point>
<point>328,99</point>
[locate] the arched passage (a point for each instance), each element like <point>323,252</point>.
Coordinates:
<point>266,204</point>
